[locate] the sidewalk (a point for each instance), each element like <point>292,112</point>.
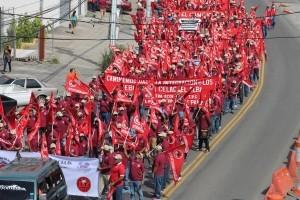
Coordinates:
<point>84,55</point>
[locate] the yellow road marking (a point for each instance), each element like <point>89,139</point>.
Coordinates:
<point>171,188</point>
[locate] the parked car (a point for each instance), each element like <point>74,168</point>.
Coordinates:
<point>20,87</point>
<point>32,179</point>
<point>125,5</point>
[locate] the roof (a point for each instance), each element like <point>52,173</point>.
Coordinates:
<point>26,168</point>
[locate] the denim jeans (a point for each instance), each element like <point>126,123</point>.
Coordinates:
<point>136,187</point>
<point>158,181</point>
<point>105,117</point>
<point>255,75</point>
<point>181,115</point>
<point>166,176</point>
<point>142,111</point>
<point>213,128</point>
<point>118,193</point>
<point>126,178</point>
<point>226,105</point>
<point>217,122</point>
<point>246,90</point>
<point>7,62</point>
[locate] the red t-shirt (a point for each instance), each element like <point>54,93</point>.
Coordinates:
<point>107,162</point>
<point>137,170</point>
<point>116,172</point>
<point>159,164</point>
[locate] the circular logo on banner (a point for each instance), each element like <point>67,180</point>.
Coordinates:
<point>83,184</point>
<point>178,154</point>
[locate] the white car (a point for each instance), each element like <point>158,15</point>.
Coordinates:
<point>20,87</point>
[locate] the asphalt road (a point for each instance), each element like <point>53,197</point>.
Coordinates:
<point>242,165</point>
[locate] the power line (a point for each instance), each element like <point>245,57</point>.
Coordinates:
<point>130,39</point>
<point>120,23</point>
<point>50,24</point>
<point>34,15</point>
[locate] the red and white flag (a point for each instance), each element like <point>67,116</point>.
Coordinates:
<point>176,158</point>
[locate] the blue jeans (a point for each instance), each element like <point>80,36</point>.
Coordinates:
<point>166,176</point>
<point>217,122</point>
<point>181,115</point>
<point>226,105</point>
<point>213,119</point>
<point>136,187</point>
<point>126,178</point>
<point>158,181</point>
<point>118,193</point>
<point>142,111</point>
<point>246,90</point>
<point>105,117</point>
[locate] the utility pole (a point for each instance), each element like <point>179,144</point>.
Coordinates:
<point>42,44</point>
<point>113,16</point>
<point>1,28</point>
<point>15,34</point>
<point>41,8</point>
<point>148,10</point>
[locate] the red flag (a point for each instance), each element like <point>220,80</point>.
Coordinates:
<point>153,117</point>
<point>77,86</point>
<point>35,130</point>
<point>121,97</point>
<point>70,135</point>
<point>58,147</point>
<point>176,158</point>
<point>44,148</point>
<point>189,138</point>
<point>136,123</point>
<point>3,116</point>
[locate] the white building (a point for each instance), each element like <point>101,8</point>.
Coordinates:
<point>57,9</point>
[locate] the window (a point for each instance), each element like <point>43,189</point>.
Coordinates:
<point>5,80</point>
<point>31,83</point>
<point>20,82</point>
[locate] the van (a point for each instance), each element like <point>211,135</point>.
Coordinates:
<point>32,179</point>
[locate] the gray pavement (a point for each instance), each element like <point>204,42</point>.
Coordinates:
<point>242,166</point>
<point>84,55</point>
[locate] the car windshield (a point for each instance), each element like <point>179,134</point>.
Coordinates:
<point>4,80</point>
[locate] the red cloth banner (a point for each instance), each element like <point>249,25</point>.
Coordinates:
<point>164,89</point>
<point>176,157</point>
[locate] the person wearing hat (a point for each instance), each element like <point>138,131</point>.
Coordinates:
<point>117,176</point>
<point>106,158</point>
<point>83,144</point>
<point>43,117</point>
<point>53,149</point>
<point>93,83</point>
<point>60,126</point>
<point>158,171</point>
<point>136,176</point>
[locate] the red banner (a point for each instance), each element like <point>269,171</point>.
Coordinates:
<point>164,89</point>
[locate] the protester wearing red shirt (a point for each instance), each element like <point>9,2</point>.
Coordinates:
<point>158,171</point>
<point>117,176</point>
<point>204,125</point>
<point>137,170</point>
